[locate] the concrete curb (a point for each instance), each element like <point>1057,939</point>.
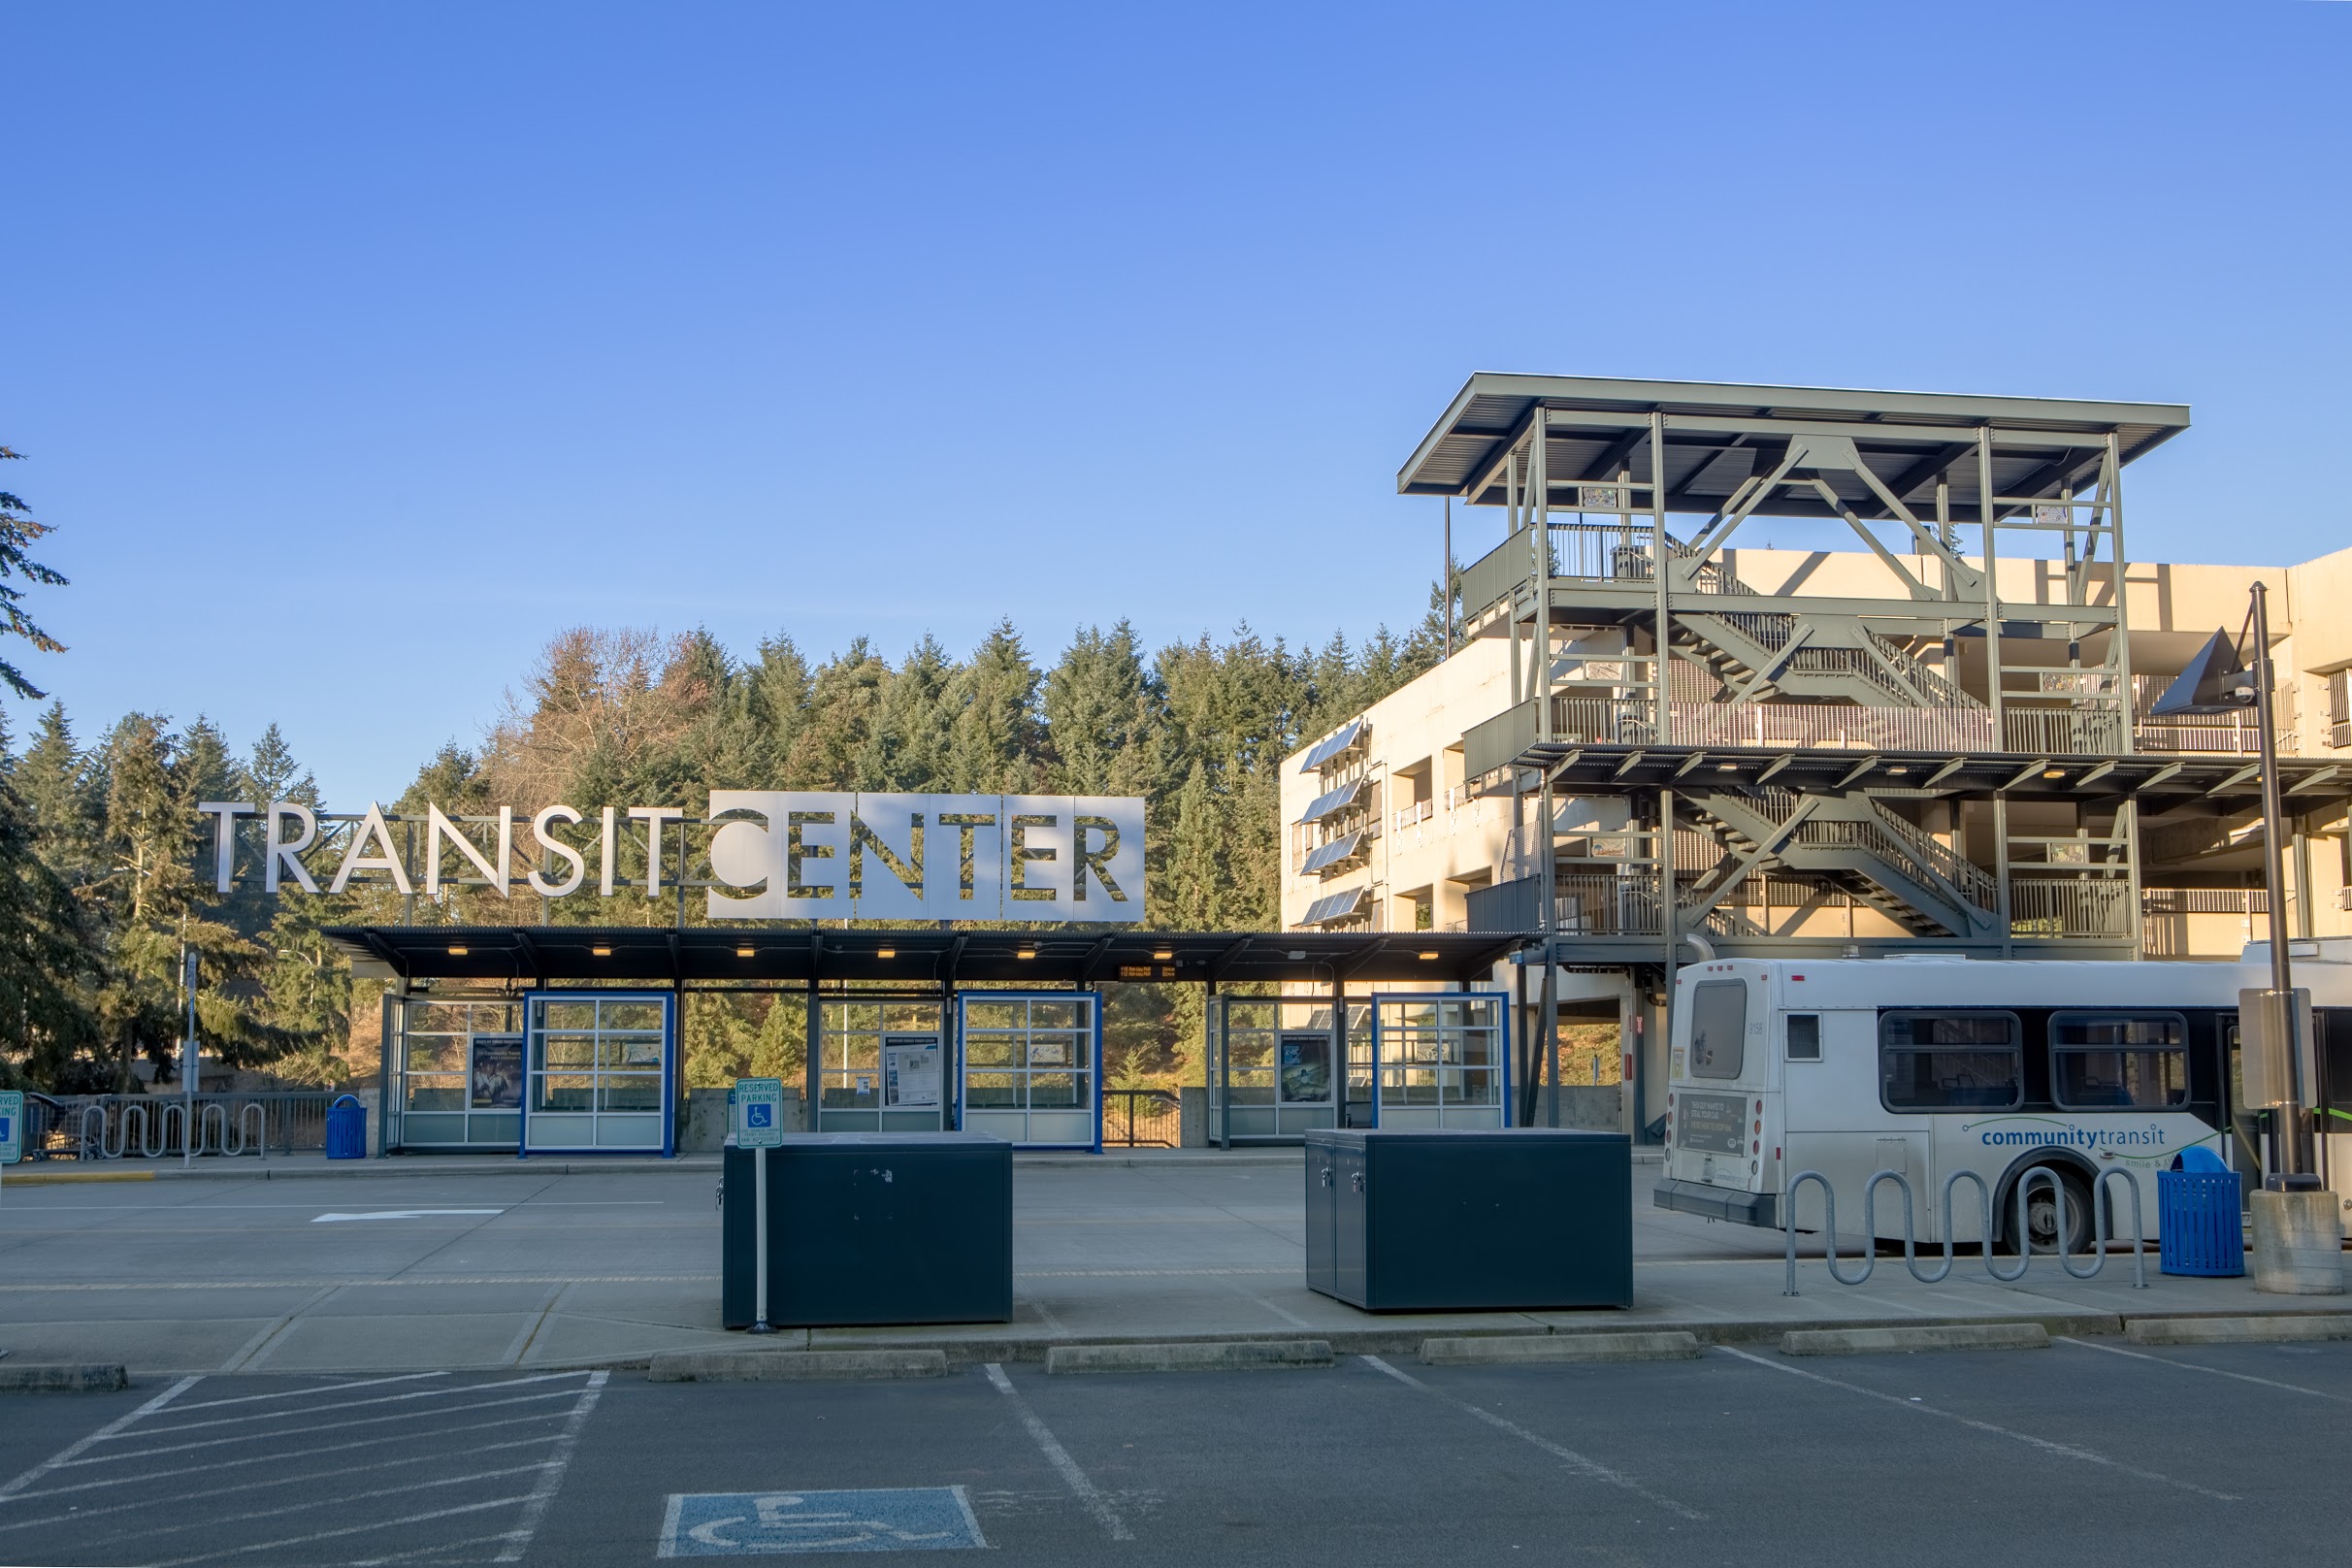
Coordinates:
<point>1553,1350</point>
<point>771,1367</point>
<point>231,1168</point>
<point>2262,1331</point>
<point>2021,1336</point>
<point>59,1178</point>
<point>225,1169</point>
<point>63,1379</point>
<point>1215,1355</point>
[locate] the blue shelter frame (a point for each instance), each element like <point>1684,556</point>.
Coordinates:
<point>601,1072</point>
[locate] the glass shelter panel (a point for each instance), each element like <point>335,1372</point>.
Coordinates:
<point>457,1074</point>
<point>880,1067</point>
<point>1440,1061</point>
<point>1272,1069</point>
<point>595,1072</point>
<point>1031,1067</point>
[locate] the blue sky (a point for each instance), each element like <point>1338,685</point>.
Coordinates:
<point>359,348</point>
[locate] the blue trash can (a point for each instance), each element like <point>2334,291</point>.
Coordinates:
<point>347,1128</point>
<point>2197,1212</point>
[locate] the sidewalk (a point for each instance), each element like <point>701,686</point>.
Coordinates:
<point>435,1265</point>
<point>306,1166</point>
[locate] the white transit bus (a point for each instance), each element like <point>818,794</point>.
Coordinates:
<point>1926,1066</point>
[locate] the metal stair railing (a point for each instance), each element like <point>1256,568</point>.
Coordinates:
<point>1984,1196</point>
<point>1973,880</point>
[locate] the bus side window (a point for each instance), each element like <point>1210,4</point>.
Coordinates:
<point>1805,1036</point>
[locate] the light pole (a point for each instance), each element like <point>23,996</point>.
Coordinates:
<point>2298,1226</point>
<point>2295,1163</point>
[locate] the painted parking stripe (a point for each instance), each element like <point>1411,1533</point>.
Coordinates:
<point>2064,1451</point>
<point>1592,1469</point>
<point>1085,1491</point>
<point>398,1214</point>
<point>535,1508</point>
<point>330,1426</point>
<point>778,1523</point>
<point>74,1452</point>
<point>454,1391</point>
<point>309,1452</point>
<point>211,1493</point>
<point>2192,1366</point>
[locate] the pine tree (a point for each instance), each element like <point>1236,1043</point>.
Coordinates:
<point>46,952</point>
<point>907,747</point>
<point>1101,715</point>
<point>997,744</point>
<point>17,532</point>
<point>57,782</point>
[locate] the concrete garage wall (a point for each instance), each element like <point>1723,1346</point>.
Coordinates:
<point>1594,1107</point>
<point>706,1119</point>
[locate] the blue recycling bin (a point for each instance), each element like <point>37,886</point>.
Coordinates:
<point>2198,1210</point>
<point>347,1128</point>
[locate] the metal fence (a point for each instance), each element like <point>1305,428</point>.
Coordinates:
<point>1142,1118</point>
<point>151,1127</point>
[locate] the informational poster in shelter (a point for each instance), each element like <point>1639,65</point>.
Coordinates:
<point>497,1072</point>
<point>910,1075</point>
<point>1306,1069</point>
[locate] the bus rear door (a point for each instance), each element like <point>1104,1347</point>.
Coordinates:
<point>1720,1087</point>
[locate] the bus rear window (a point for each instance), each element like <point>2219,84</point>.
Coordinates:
<point>2119,1061</point>
<point>1949,1060</point>
<point>1718,1029</point>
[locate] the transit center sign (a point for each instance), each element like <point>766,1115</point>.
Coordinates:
<point>772,854</point>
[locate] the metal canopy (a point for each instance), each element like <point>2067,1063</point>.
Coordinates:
<point>926,956</point>
<point>1718,436</point>
<point>2309,783</point>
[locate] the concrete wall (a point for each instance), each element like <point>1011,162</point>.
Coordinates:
<point>705,1130</point>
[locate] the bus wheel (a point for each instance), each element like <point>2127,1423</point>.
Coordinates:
<point>2042,1214</point>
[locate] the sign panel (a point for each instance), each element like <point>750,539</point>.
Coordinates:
<point>809,855</point>
<point>758,1113</point>
<point>12,1125</point>
<point>773,854</point>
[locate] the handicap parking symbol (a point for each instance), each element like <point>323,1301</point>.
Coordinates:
<point>768,1524</point>
<point>760,1115</point>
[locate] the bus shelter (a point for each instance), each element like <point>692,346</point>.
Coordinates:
<point>548,1039</point>
<point>544,1072</point>
<point>1412,1060</point>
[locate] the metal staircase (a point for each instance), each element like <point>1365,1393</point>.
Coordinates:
<point>1759,656</point>
<point>1762,654</point>
<point>1847,842</point>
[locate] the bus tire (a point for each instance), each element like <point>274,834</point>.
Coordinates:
<point>2042,1212</point>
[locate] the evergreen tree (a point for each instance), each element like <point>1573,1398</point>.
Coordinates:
<point>844,700</point>
<point>1101,715</point>
<point>271,773</point>
<point>55,780</point>
<point>17,532</point>
<point>907,747</point>
<point>997,741</point>
<point>46,952</point>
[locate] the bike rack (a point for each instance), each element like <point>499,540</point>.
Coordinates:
<point>121,1131</point>
<point>214,1115</point>
<point>1984,1197</point>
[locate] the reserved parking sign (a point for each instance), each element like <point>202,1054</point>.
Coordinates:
<point>758,1113</point>
<point>12,1125</point>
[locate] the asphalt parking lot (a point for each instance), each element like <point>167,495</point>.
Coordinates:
<point>2089,1451</point>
